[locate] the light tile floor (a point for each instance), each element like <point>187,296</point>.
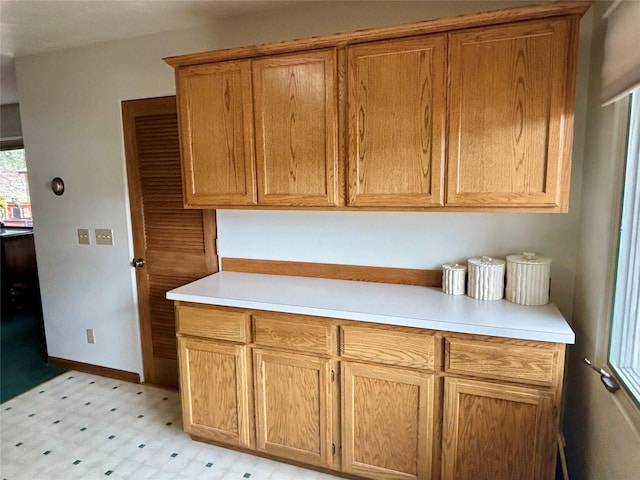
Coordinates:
<point>81,426</point>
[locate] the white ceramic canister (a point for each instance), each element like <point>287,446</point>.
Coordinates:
<point>528,278</point>
<point>453,278</point>
<point>486,278</point>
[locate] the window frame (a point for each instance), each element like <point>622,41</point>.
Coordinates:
<point>626,401</point>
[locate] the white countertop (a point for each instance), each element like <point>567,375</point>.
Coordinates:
<point>386,303</point>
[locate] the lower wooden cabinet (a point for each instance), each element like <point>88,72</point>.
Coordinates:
<point>293,406</point>
<point>371,401</point>
<point>215,390</point>
<point>497,432</point>
<point>387,422</point>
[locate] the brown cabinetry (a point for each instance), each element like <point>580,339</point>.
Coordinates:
<point>388,406</point>
<point>215,390</point>
<point>295,108</point>
<point>387,422</point>
<point>294,406</point>
<point>396,115</point>
<point>374,401</point>
<point>271,120</point>
<point>473,113</point>
<point>295,381</point>
<point>19,274</point>
<point>494,431</point>
<point>510,114</point>
<point>215,115</point>
<point>215,373</point>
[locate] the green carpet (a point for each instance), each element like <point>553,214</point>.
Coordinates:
<point>23,355</point>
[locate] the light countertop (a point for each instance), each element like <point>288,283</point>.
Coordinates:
<point>14,232</point>
<point>405,305</point>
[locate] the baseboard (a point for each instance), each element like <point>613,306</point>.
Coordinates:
<point>95,369</point>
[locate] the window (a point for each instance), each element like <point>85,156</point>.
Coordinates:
<point>15,203</point>
<point>624,354</point>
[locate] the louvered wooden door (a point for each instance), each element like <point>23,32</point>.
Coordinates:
<point>177,245</point>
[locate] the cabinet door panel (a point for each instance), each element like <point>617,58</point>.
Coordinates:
<point>510,124</point>
<point>296,125</point>
<point>293,406</point>
<point>215,389</point>
<point>396,96</point>
<point>216,133</point>
<point>387,426</point>
<point>497,432</point>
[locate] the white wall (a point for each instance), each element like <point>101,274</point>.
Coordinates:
<point>70,102</point>
<point>602,443</point>
<point>72,128</point>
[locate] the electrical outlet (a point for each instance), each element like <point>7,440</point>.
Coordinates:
<point>104,236</point>
<point>90,336</point>
<point>83,236</point>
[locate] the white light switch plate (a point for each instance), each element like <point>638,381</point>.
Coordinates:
<point>83,236</point>
<point>104,236</point>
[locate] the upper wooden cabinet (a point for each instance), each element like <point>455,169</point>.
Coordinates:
<point>274,118</point>
<point>470,113</point>
<point>511,115</point>
<point>295,109</point>
<point>396,115</point>
<point>216,134</point>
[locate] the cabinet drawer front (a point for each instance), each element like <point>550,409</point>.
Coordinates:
<point>393,347</point>
<point>535,363</point>
<point>296,332</point>
<point>220,323</point>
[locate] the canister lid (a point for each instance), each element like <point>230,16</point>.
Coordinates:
<point>486,261</point>
<point>454,266</point>
<point>528,258</point>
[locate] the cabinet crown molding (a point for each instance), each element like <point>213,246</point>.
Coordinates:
<point>494,17</point>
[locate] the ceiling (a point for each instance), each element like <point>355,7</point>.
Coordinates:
<point>37,26</point>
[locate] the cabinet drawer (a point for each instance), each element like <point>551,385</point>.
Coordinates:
<point>393,346</point>
<point>296,332</point>
<point>221,323</point>
<point>526,362</point>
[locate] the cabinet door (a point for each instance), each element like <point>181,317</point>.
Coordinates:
<point>216,134</point>
<point>293,406</point>
<point>296,124</point>
<point>215,390</point>
<point>511,115</point>
<point>396,112</point>
<point>497,432</point>
<point>387,422</point>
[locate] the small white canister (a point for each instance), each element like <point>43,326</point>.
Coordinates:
<point>453,278</point>
<point>528,278</point>
<point>486,278</point>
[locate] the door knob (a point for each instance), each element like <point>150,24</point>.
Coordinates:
<point>137,262</point>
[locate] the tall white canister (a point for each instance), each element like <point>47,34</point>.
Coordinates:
<point>528,278</point>
<point>486,278</point>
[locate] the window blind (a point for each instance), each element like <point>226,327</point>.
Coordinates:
<point>621,66</point>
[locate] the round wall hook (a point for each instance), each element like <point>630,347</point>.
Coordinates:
<point>57,185</point>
